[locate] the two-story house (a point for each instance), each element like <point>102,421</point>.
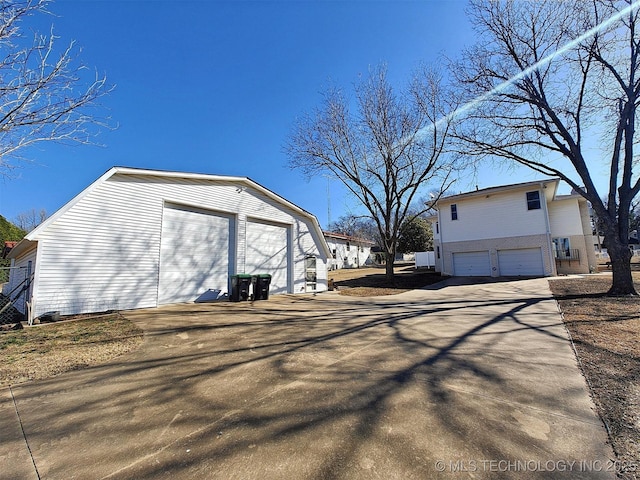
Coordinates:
<point>524,229</point>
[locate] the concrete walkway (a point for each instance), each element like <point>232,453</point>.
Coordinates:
<point>455,381</point>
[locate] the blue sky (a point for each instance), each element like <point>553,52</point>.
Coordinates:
<point>214,87</point>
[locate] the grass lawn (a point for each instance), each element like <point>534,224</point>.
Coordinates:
<point>43,351</point>
<point>371,281</point>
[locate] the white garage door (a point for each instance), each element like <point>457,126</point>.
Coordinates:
<point>194,254</point>
<point>520,262</point>
<point>471,264</point>
<point>268,252</point>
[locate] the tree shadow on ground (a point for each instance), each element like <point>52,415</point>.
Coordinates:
<point>304,388</point>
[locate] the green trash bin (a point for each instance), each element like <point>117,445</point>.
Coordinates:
<point>261,291</point>
<point>240,287</point>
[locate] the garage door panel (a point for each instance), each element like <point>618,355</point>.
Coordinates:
<point>521,262</point>
<point>267,251</point>
<point>194,254</point>
<point>471,264</point>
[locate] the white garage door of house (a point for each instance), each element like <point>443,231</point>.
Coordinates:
<point>471,264</point>
<point>520,262</point>
<point>268,252</point>
<point>194,254</point>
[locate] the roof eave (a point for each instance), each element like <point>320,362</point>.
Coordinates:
<point>21,248</point>
<point>501,188</point>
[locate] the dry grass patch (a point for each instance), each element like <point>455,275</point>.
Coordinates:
<point>50,349</point>
<point>372,282</point>
<point>606,331</point>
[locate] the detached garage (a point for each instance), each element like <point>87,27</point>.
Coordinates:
<point>142,238</point>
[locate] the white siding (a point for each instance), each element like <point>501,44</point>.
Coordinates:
<point>564,218</point>
<point>496,215</point>
<point>103,251</point>
<point>356,256</point>
<point>267,251</point>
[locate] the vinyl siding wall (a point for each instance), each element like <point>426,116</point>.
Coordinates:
<point>495,215</point>
<point>103,252</point>
<point>354,257</point>
<point>564,218</point>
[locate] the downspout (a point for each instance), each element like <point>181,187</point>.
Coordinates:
<point>552,260</point>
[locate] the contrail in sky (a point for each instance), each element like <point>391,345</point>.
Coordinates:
<point>506,84</point>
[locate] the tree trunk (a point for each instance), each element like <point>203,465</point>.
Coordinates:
<point>620,257</point>
<point>390,256</point>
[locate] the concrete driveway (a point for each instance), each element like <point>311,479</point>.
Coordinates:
<point>455,381</point>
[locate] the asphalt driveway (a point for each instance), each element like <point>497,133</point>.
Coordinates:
<point>455,381</point>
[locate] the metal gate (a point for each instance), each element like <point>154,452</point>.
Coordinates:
<point>16,293</point>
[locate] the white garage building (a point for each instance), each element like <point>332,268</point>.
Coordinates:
<point>142,238</point>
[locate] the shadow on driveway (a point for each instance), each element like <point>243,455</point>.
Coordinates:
<point>441,383</point>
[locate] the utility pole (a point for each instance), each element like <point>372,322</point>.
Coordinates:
<point>328,200</point>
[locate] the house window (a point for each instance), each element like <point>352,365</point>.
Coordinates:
<point>562,248</point>
<point>454,212</point>
<point>348,247</point>
<point>437,227</point>
<point>310,274</point>
<point>438,251</point>
<point>533,200</point>
<point>334,253</point>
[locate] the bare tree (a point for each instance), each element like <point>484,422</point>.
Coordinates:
<point>548,78</point>
<point>28,221</point>
<point>356,226</point>
<point>385,152</point>
<point>45,93</point>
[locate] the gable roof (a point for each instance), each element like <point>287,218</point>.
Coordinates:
<point>117,170</point>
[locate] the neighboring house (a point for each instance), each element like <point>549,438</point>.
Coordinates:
<point>513,230</point>
<point>347,251</point>
<point>142,238</point>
